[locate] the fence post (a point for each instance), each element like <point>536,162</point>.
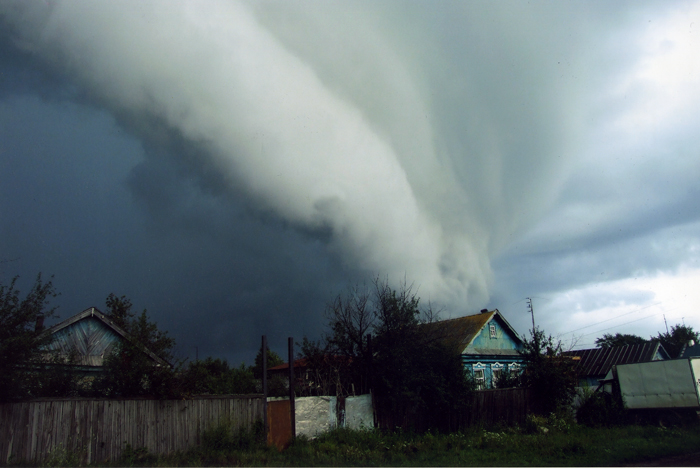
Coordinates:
<point>264,384</point>
<point>291,387</point>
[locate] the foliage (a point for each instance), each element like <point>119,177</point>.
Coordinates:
<point>550,374</point>
<point>215,377</point>
<point>145,332</point>
<point>55,378</point>
<point>619,339</point>
<point>61,456</point>
<point>128,370</point>
<point>508,379</point>
<point>20,340</point>
<point>554,442</point>
<point>273,359</point>
<point>325,372</point>
<point>417,381</point>
<point>276,384</point>
<point>601,409</point>
<point>679,336</point>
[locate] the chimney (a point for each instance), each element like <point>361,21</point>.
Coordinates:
<point>483,311</point>
<point>39,326</point>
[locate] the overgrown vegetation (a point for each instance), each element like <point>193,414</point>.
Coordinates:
<point>417,381</point>
<point>543,441</point>
<point>549,373</point>
<point>20,338</point>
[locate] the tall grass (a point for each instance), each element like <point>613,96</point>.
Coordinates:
<point>552,441</point>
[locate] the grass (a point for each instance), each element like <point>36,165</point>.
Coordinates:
<point>542,442</point>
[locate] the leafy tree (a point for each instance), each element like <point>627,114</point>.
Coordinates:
<point>20,340</point>
<point>508,379</point>
<point>619,339</point>
<point>276,384</point>
<point>418,382</point>
<point>273,359</point>
<point>215,377</point>
<point>548,372</point>
<point>128,370</point>
<point>140,327</point>
<point>680,335</point>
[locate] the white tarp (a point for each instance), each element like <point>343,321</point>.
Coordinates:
<point>659,384</point>
<point>358,412</point>
<point>314,415</point>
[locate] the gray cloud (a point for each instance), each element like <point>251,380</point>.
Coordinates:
<point>241,162</point>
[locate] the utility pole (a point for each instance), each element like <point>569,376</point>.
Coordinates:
<point>532,312</point>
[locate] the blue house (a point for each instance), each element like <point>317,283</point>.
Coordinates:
<point>487,342</point>
<point>87,338</point>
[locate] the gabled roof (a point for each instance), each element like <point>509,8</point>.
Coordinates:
<point>90,335</point>
<point>598,361</point>
<point>690,351</point>
<point>460,332</point>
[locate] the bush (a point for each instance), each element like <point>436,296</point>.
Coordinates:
<point>600,409</point>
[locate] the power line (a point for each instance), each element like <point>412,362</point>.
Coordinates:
<point>607,320</point>
<point>619,325</point>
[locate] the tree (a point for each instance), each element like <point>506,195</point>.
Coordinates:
<point>276,385</point>
<point>418,382</point>
<point>548,372</point>
<point>20,339</point>
<point>128,370</point>
<point>619,339</point>
<point>215,377</point>
<point>679,336</point>
<point>145,332</point>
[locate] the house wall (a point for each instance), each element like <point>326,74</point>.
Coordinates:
<point>503,339</point>
<point>88,337</point>
<point>489,363</point>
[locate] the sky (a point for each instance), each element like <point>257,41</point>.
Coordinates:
<point>233,166</point>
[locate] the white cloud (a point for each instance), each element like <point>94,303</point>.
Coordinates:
<point>636,305</point>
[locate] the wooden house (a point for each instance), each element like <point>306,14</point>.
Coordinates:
<point>486,341</point>
<point>84,340</point>
<point>594,364</point>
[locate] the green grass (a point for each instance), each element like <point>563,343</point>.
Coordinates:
<point>543,442</point>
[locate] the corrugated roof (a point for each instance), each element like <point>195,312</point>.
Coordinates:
<point>460,332</point>
<point>598,361</point>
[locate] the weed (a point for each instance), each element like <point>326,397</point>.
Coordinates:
<point>61,456</point>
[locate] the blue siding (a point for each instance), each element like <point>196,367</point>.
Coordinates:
<point>503,339</point>
<point>89,337</point>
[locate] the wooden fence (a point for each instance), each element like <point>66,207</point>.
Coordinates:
<point>99,429</point>
<point>486,408</point>
<point>508,406</point>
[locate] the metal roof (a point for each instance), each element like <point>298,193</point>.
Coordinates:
<point>598,361</point>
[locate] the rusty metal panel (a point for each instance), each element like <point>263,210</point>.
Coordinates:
<point>658,384</point>
<point>279,421</point>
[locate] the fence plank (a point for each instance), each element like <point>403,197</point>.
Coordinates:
<point>98,429</point>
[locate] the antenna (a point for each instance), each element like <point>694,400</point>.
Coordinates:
<point>532,312</point>
<point>666,324</point>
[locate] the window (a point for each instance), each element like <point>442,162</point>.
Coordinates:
<point>496,369</point>
<point>479,378</point>
<point>496,376</point>
<point>492,329</point>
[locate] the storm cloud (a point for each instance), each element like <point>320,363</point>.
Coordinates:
<point>232,165</point>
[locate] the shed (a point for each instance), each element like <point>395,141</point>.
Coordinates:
<point>596,363</point>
